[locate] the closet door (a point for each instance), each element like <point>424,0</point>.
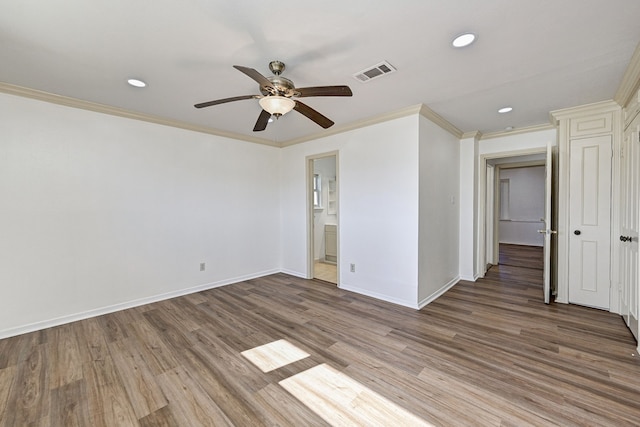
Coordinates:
<point>590,221</point>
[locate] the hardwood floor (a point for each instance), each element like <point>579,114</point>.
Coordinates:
<point>325,271</point>
<point>521,256</point>
<point>485,353</point>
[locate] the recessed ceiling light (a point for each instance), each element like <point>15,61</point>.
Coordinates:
<point>464,40</point>
<point>509,128</point>
<point>270,119</point>
<point>136,83</point>
<point>505,110</point>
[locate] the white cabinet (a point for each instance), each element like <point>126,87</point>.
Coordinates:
<point>330,243</point>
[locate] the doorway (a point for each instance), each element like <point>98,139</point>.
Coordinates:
<point>323,217</point>
<point>515,214</point>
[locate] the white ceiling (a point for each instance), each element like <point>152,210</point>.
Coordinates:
<point>535,55</point>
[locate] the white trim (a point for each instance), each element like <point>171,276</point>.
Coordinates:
<point>481,244</point>
<point>382,297</point>
<point>6,333</point>
<point>437,294</point>
<point>404,112</point>
<point>517,131</point>
<point>473,278</point>
<point>437,119</point>
<point>630,82</point>
<point>294,273</point>
<point>310,212</point>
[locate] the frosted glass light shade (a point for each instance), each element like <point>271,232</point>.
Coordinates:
<point>277,105</point>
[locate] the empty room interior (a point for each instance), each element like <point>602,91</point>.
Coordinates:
<point>331,214</point>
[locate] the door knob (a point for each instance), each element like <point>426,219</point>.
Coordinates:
<point>577,232</point>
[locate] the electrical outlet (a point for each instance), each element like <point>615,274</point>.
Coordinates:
<point>353,268</point>
<point>202,266</point>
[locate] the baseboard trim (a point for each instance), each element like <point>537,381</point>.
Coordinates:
<point>378,296</point>
<point>36,326</point>
<point>437,294</point>
<point>294,273</point>
<point>469,278</point>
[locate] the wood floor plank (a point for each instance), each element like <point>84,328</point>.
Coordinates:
<point>142,389</point>
<point>7,381</point>
<point>107,399</point>
<point>69,406</point>
<point>28,398</point>
<point>163,417</point>
<point>189,403</point>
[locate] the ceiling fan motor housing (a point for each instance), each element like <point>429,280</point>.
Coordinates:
<point>281,86</point>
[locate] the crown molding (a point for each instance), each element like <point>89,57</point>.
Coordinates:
<point>595,108</point>
<point>66,101</point>
<point>428,113</point>
<point>630,83</point>
<point>404,112</point>
<point>476,135</point>
<point>517,131</point>
<point>120,112</point>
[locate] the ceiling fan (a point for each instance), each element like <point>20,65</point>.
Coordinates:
<point>278,95</point>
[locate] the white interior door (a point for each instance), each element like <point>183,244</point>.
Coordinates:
<point>590,221</point>
<point>546,289</point>
<point>629,226</point>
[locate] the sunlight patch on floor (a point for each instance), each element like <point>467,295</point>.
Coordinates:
<point>342,401</point>
<point>274,355</point>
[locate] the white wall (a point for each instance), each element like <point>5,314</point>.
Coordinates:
<point>439,211</point>
<point>468,207</point>
<point>378,208</point>
<point>326,168</point>
<point>526,206</point>
<point>99,212</point>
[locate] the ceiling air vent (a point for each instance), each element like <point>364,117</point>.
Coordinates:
<point>374,72</point>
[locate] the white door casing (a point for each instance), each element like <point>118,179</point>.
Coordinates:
<point>590,221</point>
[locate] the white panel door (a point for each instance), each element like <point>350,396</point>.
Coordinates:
<point>590,221</point>
<point>629,225</point>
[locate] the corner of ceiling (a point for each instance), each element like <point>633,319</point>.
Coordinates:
<point>630,83</point>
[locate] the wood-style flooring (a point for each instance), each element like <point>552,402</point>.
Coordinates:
<point>488,353</point>
<point>325,271</point>
<point>521,256</point>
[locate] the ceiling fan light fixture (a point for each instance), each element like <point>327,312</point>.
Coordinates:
<point>277,105</point>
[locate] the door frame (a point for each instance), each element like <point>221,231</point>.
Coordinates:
<point>310,212</point>
<point>483,226</point>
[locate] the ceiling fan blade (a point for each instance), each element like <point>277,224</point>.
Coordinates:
<point>324,91</point>
<point>312,114</point>
<point>262,80</point>
<point>263,120</point>
<point>222,101</point>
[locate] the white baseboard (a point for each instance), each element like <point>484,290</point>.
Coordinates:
<point>438,293</point>
<point>36,326</point>
<point>410,304</point>
<point>469,278</point>
<point>294,273</point>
